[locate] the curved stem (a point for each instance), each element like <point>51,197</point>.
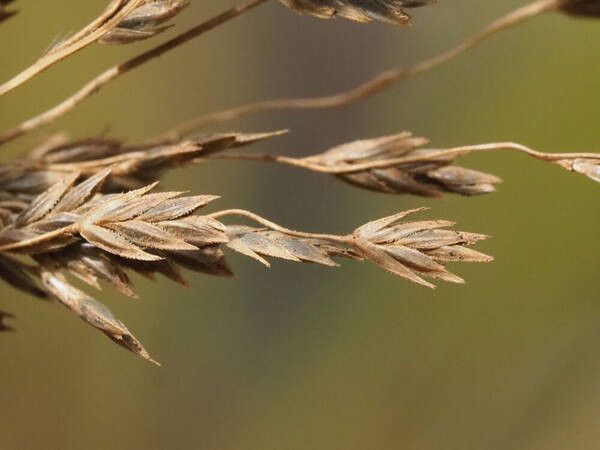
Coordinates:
<point>312,162</point>
<point>273,226</point>
<point>306,163</point>
<point>371,87</point>
<point>104,78</point>
<point>95,24</point>
<point>523,149</point>
<point>113,15</point>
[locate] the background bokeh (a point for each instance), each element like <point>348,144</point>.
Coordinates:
<point>301,357</point>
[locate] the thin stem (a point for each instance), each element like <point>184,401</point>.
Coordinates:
<point>104,78</point>
<point>264,157</point>
<point>371,87</point>
<point>95,24</point>
<point>312,162</point>
<point>92,166</point>
<point>307,163</point>
<point>273,226</point>
<point>111,17</point>
<point>550,157</point>
<point>70,229</point>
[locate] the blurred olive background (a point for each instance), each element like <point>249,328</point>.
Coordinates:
<point>305,357</point>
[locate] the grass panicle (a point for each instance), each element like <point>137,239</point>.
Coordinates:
<point>90,209</point>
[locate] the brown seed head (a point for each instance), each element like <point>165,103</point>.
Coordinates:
<point>391,11</point>
<point>415,249</point>
<point>424,173</point>
<point>589,8</point>
<point>144,22</point>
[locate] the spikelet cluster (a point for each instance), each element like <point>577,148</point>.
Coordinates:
<point>391,11</point>
<point>91,210</point>
<point>75,227</point>
<point>144,22</point>
<point>422,174</point>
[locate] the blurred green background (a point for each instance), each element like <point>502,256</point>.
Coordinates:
<point>305,357</point>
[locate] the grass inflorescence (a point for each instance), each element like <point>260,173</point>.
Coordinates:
<point>92,209</point>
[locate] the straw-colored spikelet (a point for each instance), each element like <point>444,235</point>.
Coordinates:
<point>73,227</point>
<point>144,22</point>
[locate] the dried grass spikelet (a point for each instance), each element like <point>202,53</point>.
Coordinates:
<point>116,228</point>
<point>90,310</point>
<point>144,22</point>
<point>585,166</point>
<point>73,228</point>
<point>4,14</point>
<point>422,175</point>
<point>411,250</point>
<point>259,242</point>
<point>416,249</point>
<point>125,225</point>
<point>589,8</point>
<point>20,276</point>
<point>132,167</point>
<point>391,11</point>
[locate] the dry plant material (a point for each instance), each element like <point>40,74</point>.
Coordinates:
<point>422,175</point>
<point>391,11</point>
<point>90,311</point>
<point>144,21</point>
<point>414,250</point>
<point>590,167</point>
<point>116,11</point>
<point>97,237</point>
<point>88,209</point>
<point>399,164</point>
<point>20,276</point>
<point>588,8</point>
<point>131,166</point>
<point>377,84</point>
<point>113,73</point>
<point>5,13</point>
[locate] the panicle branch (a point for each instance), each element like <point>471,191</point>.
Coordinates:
<point>399,164</point>
<point>375,85</point>
<point>107,76</point>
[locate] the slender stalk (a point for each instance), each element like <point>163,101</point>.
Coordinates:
<point>104,78</point>
<point>273,226</point>
<point>71,229</point>
<point>373,86</point>
<point>112,8</point>
<point>112,16</point>
<point>306,163</point>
